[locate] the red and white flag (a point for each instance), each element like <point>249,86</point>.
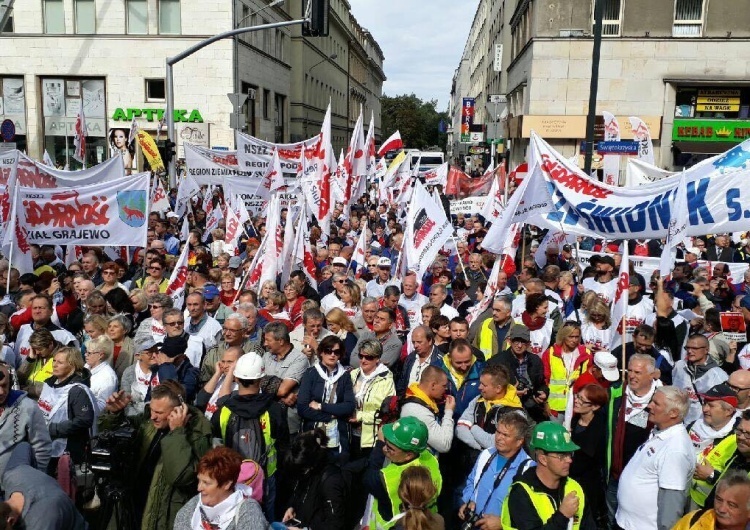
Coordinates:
<point>185,191</point>
<point>212,222</point>
<point>234,228</point>
<point>355,165</point>
<point>80,139</point>
<point>438,175</point>
<point>73,253</point>
<point>359,256</point>
<point>272,180</point>
<point>611,162</point>
<point>324,162</point>
<point>159,200</point>
<point>393,142</point>
<point>643,136</point>
<point>178,279</point>
<point>427,230</point>
<point>265,265</point>
<point>620,303</point>
<point>370,159</point>
<point>302,253</point>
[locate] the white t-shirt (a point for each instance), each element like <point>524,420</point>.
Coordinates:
<point>635,316</point>
<point>413,307</point>
<point>103,383</point>
<point>681,379</point>
<point>417,369</point>
<point>667,461</point>
<point>540,338</point>
<point>606,291</point>
<point>594,338</point>
<point>518,305</point>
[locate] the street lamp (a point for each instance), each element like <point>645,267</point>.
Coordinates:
<point>331,57</point>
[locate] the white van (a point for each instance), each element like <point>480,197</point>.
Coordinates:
<point>427,160</point>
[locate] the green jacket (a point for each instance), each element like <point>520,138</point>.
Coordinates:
<point>174,481</point>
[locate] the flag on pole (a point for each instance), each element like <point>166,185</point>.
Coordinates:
<point>643,135</point>
<point>159,200</point>
<point>354,162</point>
<point>611,162</point>
<point>359,256</point>
<point>185,230</point>
<point>185,191</point>
<point>233,230</point>
<point>393,142</point>
<point>47,160</point>
<point>133,133</point>
<point>620,303</point>
<point>427,230</point>
<point>212,222</point>
<point>303,251</point>
<point>80,138</point>
<point>677,231</point>
<point>272,180</point>
<point>324,162</point>
<point>178,279</point>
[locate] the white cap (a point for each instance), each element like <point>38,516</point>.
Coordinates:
<point>338,260</point>
<point>249,366</point>
<point>693,250</point>
<point>384,262</point>
<point>606,362</point>
<point>172,214</point>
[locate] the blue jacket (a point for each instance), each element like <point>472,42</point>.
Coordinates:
<point>403,378</point>
<point>311,389</point>
<point>186,374</point>
<point>489,500</point>
<point>469,388</point>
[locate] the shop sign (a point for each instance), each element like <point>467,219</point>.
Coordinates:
<point>711,130</point>
<point>192,133</point>
<point>63,126</point>
<point>575,126</point>
<point>180,115</point>
<point>719,93</point>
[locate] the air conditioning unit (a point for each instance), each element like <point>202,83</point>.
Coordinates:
<point>570,33</point>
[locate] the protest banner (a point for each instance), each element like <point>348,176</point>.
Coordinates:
<point>468,206</point>
<point>733,326</point>
<point>210,166</point>
<point>247,188</point>
<point>254,155</point>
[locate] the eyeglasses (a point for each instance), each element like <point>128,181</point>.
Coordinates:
<point>154,306</point>
<point>368,357</point>
<point>742,434</point>
<point>175,323</point>
<point>738,389</point>
<point>91,352</point>
<point>232,330</point>
<point>561,456</point>
<point>150,353</point>
<point>154,268</point>
<point>108,272</point>
<point>582,401</point>
<point>333,351</point>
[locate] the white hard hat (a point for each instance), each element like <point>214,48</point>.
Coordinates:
<point>249,366</point>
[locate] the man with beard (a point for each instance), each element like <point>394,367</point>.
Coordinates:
<point>697,373</point>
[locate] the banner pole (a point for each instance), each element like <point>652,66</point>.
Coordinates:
<point>460,261</point>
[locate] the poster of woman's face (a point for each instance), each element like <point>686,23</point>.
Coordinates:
<point>53,93</point>
<point>118,139</point>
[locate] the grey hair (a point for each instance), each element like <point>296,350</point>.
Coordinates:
<point>278,331</point>
<point>734,477</point>
<point>249,307</point>
<point>649,361</point>
<point>102,344</point>
<point>519,419</point>
<point>239,318</point>
<point>505,301</point>
<point>124,321</point>
<point>368,300</point>
<point>677,399</point>
<point>162,299</point>
<point>372,347</point>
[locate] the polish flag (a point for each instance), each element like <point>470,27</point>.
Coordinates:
<point>394,142</point>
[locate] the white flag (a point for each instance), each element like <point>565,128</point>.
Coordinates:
<point>185,231</point>
<point>678,224</point>
<point>185,191</point>
<point>355,165</point>
<point>620,303</point>
<point>643,136</point>
<point>273,179</point>
<point>212,222</point>
<point>494,203</point>
<point>427,230</point>
<point>275,244</point>
<point>159,200</point>
<point>178,279</point>
<point>80,139</point>
<point>359,256</point>
<point>234,228</point>
<point>611,162</point>
<point>303,252</point>
<point>286,259</point>
<point>47,160</point>
<point>438,175</point>
<point>325,164</point>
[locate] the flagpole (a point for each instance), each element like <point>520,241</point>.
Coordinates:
<point>67,156</point>
<point>460,261</point>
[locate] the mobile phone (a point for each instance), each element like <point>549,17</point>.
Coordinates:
<point>179,398</point>
<point>294,522</point>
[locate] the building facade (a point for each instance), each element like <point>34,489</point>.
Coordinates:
<point>108,58</point>
<point>680,65</point>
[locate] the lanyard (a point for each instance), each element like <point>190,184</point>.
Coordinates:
<point>498,479</point>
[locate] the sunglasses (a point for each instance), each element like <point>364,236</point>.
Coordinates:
<point>334,351</point>
<point>154,306</point>
<point>368,357</point>
<point>175,323</point>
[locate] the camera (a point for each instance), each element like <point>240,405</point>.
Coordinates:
<point>522,384</point>
<point>470,519</point>
<point>112,450</point>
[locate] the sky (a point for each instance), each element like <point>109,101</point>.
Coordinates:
<point>422,41</point>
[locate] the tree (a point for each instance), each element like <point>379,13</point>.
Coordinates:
<point>417,120</point>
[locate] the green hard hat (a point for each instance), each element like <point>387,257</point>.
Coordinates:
<point>408,434</point>
<point>552,437</point>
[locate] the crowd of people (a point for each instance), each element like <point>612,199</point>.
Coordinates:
<point>360,399</point>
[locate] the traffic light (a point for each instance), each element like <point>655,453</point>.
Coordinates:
<point>169,151</point>
<point>318,24</point>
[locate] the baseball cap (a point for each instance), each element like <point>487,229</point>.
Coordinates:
<point>519,333</point>
<point>721,392</point>
<point>384,262</point>
<point>235,262</point>
<point>338,260</point>
<point>174,346</point>
<point>635,281</point>
<point>146,343</point>
<point>693,250</point>
<point>607,363</point>
<point>210,291</point>
<point>172,214</point>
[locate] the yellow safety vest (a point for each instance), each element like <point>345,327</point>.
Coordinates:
<point>487,338</point>
<point>265,425</point>
<point>559,381</point>
<point>544,505</point>
<point>392,478</point>
<point>717,458</point>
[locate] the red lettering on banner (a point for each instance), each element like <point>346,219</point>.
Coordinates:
<point>179,280</point>
<point>233,227</point>
<point>22,239</point>
<point>45,406</point>
<point>560,173</point>
<point>228,160</point>
<point>622,285</point>
<point>70,214</point>
<point>422,232</point>
<point>159,193</point>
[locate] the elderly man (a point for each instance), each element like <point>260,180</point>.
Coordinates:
<point>376,286</point>
<point>90,265</point>
<point>438,295</point>
<point>333,299</point>
<point>255,323</point>
<point>235,335</point>
<point>411,300</point>
<point>200,324</point>
<point>492,333</point>
<point>697,373</point>
<point>306,338</point>
<point>214,307</point>
<point>475,274</point>
<point>383,331</point>
<point>731,509</point>
<point>653,486</point>
<point>364,321</point>
<point>339,265</point>
<point>41,316</point>
<point>424,354</point>
<point>713,439</point>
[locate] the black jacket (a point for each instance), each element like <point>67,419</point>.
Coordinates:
<point>319,499</point>
<point>534,368</point>
<point>77,428</point>
<point>403,380</point>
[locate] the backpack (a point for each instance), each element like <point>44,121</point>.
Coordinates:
<point>245,435</point>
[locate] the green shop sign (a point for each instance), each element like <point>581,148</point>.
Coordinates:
<point>180,115</point>
<point>711,130</point>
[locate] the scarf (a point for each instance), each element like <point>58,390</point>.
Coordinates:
<point>416,392</point>
<point>703,436</point>
<point>458,378</point>
<point>635,406</point>
<point>217,517</point>
<point>532,323</point>
<point>329,380</point>
<point>363,383</point>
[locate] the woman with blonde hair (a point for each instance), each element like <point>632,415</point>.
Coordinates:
<point>595,329</point>
<point>351,296</point>
<point>103,377</point>
<point>417,493</point>
<point>266,289</point>
<point>340,325</point>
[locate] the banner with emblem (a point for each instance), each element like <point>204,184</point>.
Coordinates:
<point>427,230</point>
<point>108,213</point>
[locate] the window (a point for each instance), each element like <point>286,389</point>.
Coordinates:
<point>169,17</point>
<point>266,104</point>
<point>245,16</point>
<point>278,119</point>
<point>54,16</point>
<point>249,107</point>
<point>137,17</point>
<point>611,17</point>
<point>688,18</point>
<point>8,25</point>
<point>155,90</point>
<point>266,36</point>
<point>85,17</point>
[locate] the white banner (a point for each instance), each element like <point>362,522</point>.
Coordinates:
<point>468,206</point>
<point>717,193</point>
<point>108,213</point>
<point>34,174</point>
<point>254,155</point>
<point>639,173</point>
<point>643,136</point>
<point>210,166</point>
<point>246,188</point>
<point>611,162</point>
<point>427,230</point>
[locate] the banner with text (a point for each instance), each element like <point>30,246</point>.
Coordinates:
<point>254,154</point>
<point>211,166</point>
<point>255,204</point>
